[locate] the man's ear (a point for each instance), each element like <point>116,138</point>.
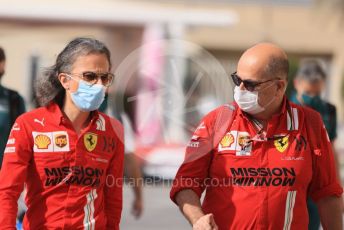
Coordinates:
<point>64,80</point>
<point>281,87</point>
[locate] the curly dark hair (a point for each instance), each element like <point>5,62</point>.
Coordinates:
<point>48,87</point>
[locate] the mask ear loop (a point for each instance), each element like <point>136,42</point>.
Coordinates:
<point>68,77</point>
<point>65,80</point>
<point>273,98</point>
<point>267,86</point>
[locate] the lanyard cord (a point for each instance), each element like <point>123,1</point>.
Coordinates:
<point>261,134</point>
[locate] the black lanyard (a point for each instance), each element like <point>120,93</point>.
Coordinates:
<point>261,134</point>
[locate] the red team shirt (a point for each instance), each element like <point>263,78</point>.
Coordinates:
<point>73,182</point>
<point>258,180</point>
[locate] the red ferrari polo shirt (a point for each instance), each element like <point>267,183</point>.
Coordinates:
<point>73,181</point>
<point>260,180</point>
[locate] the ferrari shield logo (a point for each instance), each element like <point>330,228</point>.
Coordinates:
<point>90,141</point>
<point>281,143</point>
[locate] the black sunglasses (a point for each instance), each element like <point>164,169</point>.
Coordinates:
<point>248,84</point>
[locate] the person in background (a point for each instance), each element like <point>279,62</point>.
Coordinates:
<point>309,83</point>
<point>131,167</point>
<point>68,155</point>
<point>11,106</point>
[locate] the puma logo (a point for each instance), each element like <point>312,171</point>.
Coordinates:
<point>40,122</point>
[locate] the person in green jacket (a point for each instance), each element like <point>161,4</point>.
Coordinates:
<point>309,83</point>
<point>11,106</point>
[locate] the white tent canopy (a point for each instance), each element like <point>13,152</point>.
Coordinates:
<point>112,12</point>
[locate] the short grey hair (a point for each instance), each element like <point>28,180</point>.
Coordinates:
<point>311,71</point>
<point>48,88</point>
<point>278,67</point>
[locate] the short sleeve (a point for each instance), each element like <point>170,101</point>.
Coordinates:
<point>324,181</point>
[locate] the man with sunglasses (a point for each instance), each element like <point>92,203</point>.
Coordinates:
<point>259,158</point>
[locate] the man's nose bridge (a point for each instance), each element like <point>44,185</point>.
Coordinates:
<point>241,86</point>
<point>98,79</point>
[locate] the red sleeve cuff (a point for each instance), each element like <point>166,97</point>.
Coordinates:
<point>180,184</point>
<point>331,190</point>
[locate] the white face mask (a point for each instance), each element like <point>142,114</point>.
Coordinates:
<point>248,101</point>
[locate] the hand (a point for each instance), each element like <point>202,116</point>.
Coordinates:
<point>137,208</point>
<point>206,222</point>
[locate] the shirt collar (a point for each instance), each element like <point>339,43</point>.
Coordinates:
<point>280,118</point>
<point>281,112</point>
<point>58,117</point>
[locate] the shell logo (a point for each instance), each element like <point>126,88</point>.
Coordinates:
<point>42,141</point>
<point>227,140</point>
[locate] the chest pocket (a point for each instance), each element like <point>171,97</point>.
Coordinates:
<point>99,150</point>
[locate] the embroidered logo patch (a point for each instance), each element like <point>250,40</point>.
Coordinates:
<point>227,140</point>
<point>42,141</point>
<point>51,141</point>
<point>61,140</point>
<point>90,141</point>
<point>244,146</point>
<point>281,144</point>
